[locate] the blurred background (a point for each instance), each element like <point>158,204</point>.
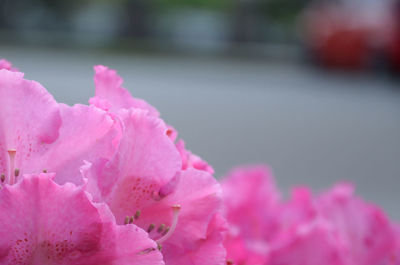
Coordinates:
<point>310,87</point>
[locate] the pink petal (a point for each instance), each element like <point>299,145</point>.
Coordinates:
<point>44,223</point>
<point>190,160</point>
<point>199,226</point>
<point>335,228</point>
<point>250,200</point>
<point>145,161</point>
<point>87,133</point>
<point>172,133</point>
<point>145,176</point>
<point>4,64</point>
<point>29,120</point>
<point>298,212</point>
<point>208,250</point>
<point>312,244</point>
<point>110,95</point>
<point>394,259</point>
<point>246,192</point>
<point>364,228</point>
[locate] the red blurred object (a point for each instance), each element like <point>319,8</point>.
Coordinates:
<point>394,46</point>
<point>352,34</point>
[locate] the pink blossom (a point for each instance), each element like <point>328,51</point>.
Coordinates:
<point>250,200</point>
<point>146,158</point>
<point>396,254</point>
<point>366,232</point>
<point>112,97</point>
<point>38,134</point>
<point>143,184</point>
<point>154,183</point>
<point>334,228</point>
<point>197,238</point>
<point>44,223</point>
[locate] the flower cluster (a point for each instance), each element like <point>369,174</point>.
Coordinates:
<point>103,183</point>
<point>333,228</point>
<point>110,183</point>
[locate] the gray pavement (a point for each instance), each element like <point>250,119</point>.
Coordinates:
<point>312,127</point>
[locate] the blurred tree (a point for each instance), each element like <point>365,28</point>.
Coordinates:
<point>254,20</point>
<point>205,4</point>
<point>282,11</point>
<point>37,14</point>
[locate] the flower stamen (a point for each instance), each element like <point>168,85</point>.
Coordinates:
<point>151,228</point>
<point>137,214</point>
<point>161,228</point>
<point>169,231</point>
<point>11,155</point>
<point>166,231</point>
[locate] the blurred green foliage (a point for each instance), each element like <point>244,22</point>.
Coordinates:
<point>203,4</point>
<point>284,12</point>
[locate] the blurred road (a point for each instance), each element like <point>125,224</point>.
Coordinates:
<point>311,126</point>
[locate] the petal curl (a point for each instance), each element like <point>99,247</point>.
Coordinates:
<point>44,223</point>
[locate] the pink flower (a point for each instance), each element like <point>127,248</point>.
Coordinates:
<point>144,182</point>
<point>250,200</point>
<point>44,223</point>
<point>335,228</point>
<point>112,97</point>
<point>366,232</point>
<point>39,135</point>
<point>303,237</point>
<point>146,158</point>
<point>395,258</point>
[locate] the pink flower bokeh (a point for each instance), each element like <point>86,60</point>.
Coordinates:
<point>333,228</point>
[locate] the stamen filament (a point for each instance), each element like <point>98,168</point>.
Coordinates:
<point>166,230</point>
<point>11,176</point>
<point>176,209</point>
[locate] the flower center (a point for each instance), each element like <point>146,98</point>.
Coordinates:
<point>11,156</point>
<point>12,174</point>
<point>168,231</point>
<point>10,177</point>
<point>163,232</point>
